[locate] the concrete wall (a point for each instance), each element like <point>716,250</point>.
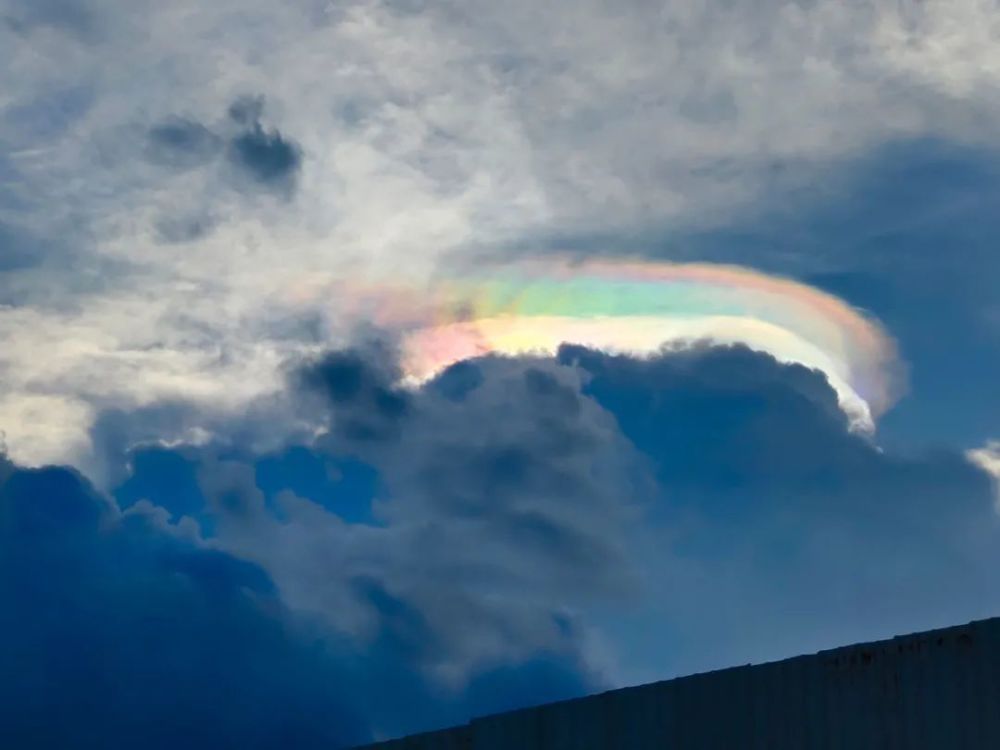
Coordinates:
<point>938,690</point>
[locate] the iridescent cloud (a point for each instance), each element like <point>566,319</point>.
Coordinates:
<point>638,308</point>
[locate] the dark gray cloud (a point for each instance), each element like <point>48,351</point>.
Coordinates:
<point>267,156</point>
<point>539,528</point>
<point>734,433</point>
<point>18,249</point>
<point>774,513</point>
<point>247,110</point>
<point>181,229</point>
<point>516,492</point>
<point>49,266</point>
<point>182,143</point>
<point>119,628</point>
<point>361,387</point>
<point>73,16</point>
<point>516,453</point>
<point>707,506</point>
<point>260,156</point>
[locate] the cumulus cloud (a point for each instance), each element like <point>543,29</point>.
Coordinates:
<point>120,627</point>
<point>521,488</point>
<point>432,554</point>
<point>775,516</point>
<point>515,502</point>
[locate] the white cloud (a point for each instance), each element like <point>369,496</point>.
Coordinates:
<point>987,458</point>
<point>425,133</point>
<point>950,45</point>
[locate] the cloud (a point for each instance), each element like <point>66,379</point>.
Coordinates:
<point>127,626</point>
<point>247,110</point>
<point>517,476</point>
<point>368,404</point>
<point>339,525</point>
<point>153,291</point>
<point>73,16</point>
<point>267,156</point>
<point>988,459</point>
<point>774,515</point>
<point>117,628</point>
<point>16,250</point>
<point>445,134</point>
<point>182,143</point>
<point>559,524</point>
<point>871,231</point>
<point>180,229</point>
<point>695,484</point>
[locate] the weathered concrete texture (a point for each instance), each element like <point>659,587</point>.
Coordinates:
<point>938,690</point>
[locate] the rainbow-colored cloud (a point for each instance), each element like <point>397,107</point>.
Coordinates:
<point>638,308</point>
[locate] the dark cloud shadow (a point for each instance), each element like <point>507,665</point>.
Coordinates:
<point>182,143</point>
<point>119,630</point>
<point>75,17</point>
<point>265,156</point>
<point>776,524</point>
<point>706,506</point>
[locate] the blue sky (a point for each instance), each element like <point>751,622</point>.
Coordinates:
<point>226,510</point>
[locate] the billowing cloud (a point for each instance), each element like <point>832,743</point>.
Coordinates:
<point>776,517</point>
<point>118,628</point>
<point>513,522</point>
<point>519,487</point>
<point>122,627</point>
<point>644,489</point>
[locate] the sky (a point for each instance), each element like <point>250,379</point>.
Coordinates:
<point>368,366</point>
